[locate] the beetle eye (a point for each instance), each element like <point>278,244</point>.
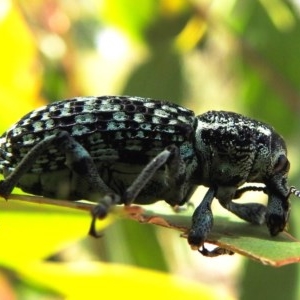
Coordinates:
<point>282,164</point>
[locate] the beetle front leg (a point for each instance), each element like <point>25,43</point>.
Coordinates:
<point>277,214</point>
<point>202,221</point>
<point>253,213</point>
<point>241,191</point>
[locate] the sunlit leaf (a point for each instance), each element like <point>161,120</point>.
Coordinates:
<point>20,74</point>
<point>86,280</point>
<point>31,232</point>
<point>15,286</point>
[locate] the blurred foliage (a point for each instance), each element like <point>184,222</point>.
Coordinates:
<point>232,55</point>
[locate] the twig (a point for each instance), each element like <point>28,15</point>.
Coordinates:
<point>87,206</point>
<point>133,211</point>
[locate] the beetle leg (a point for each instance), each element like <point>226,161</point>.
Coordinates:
<point>132,191</point>
<point>254,213</point>
<point>241,191</point>
<point>7,185</point>
<point>202,220</point>
<point>251,212</point>
<point>100,211</point>
<point>146,174</point>
<point>215,252</point>
<point>277,215</point>
<point>79,161</point>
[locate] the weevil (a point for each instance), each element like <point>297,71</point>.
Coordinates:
<point>122,150</point>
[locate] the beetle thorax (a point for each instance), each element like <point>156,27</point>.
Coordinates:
<point>233,149</point>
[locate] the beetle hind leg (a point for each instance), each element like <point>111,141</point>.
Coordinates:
<point>79,161</point>
<point>147,173</point>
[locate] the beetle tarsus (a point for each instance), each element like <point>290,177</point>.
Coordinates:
<point>215,252</point>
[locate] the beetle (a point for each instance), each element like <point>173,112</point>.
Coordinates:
<point>123,149</point>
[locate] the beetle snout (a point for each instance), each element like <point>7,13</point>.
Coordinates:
<point>277,213</point>
<point>278,207</point>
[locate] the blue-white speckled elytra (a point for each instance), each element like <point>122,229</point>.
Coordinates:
<point>123,150</point>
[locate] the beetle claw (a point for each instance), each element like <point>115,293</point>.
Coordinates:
<point>92,231</point>
<point>215,252</point>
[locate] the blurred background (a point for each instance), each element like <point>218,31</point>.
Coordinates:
<point>242,56</point>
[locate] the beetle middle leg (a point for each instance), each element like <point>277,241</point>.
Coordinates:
<point>135,188</point>
<point>147,173</point>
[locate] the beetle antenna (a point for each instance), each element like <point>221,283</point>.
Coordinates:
<point>294,191</point>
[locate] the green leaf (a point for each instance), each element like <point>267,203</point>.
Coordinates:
<point>31,232</point>
<point>91,280</point>
<point>238,236</point>
<point>128,15</point>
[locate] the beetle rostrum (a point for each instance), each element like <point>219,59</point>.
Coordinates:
<point>122,150</point>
